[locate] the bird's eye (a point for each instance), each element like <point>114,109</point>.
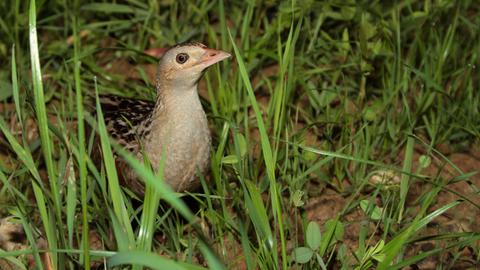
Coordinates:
<point>182,58</point>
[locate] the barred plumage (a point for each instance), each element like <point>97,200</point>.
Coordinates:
<point>127,120</point>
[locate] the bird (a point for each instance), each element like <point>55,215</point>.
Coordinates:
<point>173,127</point>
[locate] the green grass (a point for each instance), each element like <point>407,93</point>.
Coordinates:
<point>320,95</point>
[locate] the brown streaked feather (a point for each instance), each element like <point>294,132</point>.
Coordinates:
<point>127,121</point>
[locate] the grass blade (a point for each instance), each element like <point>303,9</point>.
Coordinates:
<point>82,151</point>
<point>15,88</point>
<point>404,181</point>
<point>267,155</point>
<point>41,114</point>
<point>149,260</point>
<point>392,248</point>
<point>116,196</point>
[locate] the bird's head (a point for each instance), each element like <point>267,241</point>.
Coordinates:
<point>183,65</point>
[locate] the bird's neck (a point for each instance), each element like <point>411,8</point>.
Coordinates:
<point>176,107</point>
<point>176,101</point>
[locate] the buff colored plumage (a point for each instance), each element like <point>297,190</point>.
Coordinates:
<point>175,123</point>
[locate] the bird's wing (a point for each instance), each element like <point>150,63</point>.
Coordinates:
<point>125,117</point>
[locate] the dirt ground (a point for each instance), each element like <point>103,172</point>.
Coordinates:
<point>463,218</point>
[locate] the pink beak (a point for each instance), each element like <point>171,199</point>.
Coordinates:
<point>212,56</point>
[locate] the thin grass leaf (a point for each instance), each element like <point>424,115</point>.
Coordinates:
<point>21,198</point>
<point>123,242</point>
<point>328,236</point>
<point>404,181</point>
<point>40,108</point>
<point>71,199</point>
<point>116,195</point>
<point>392,248</point>
<point>150,208</point>
<point>258,213</point>
<point>267,155</point>
<point>419,257</point>
<point>31,239</point>
<point>82,151</point>
<point>24,155</point>
<point>115,8</point>
<point>15,88</point>
<point>45,138</point>
<point>149,214</point>
<point>149,260</point>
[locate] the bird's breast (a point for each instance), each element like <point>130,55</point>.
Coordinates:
<point>182,143</point>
